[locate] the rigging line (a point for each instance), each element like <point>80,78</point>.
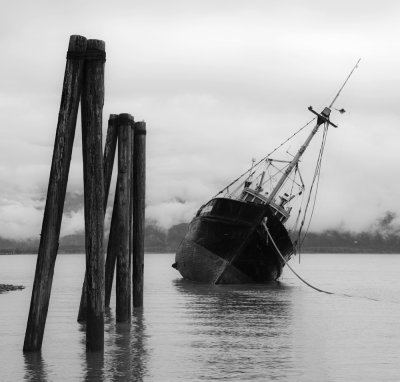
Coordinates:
<point>299,241</point>
<point>286,263</point>
<point>279,161</point>
<point>316,172</point>
<point>292,231</point>
<point>237,189</point>
<point>294,179</point>
<point>345,82</point>
<point>330,106</point>
<point>296,223</point>
<point>261,160</point>
<point>318,178</point>
<point>301,179</point>
<point>281,171</point>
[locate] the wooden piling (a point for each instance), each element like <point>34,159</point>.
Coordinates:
<point>93,177</point>
<point>131,200</point>
<point>139,195</point>
<point>108,162</point>
<point>123,277</point>
<point>109,154</point>
<point>112,252</point>
<point>112,247</point>
<point>51,225</point>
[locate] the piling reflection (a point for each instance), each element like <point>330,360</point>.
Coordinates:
<point>92,362</point>
<point>125,354</point>
<point>94,366</point>
<point>139,353</point>
<point>35,367</point>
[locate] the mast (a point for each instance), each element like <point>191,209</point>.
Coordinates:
<point>322,118</point>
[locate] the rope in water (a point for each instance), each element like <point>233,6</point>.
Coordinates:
<point>307,283</point>
<point>286,263</point>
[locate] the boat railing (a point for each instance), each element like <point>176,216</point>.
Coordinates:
<point>252,196</point>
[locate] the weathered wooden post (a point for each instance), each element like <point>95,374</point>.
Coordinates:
<point>112,251</point>
<point>51,225</point>
<point>108,162</point>
<point>110,262</point>
<point>113,246</point>
<point>139,195</point>
<point>131,196</point>
<point>109,154</point>
<point>123,278</point>
<point>93,177</point>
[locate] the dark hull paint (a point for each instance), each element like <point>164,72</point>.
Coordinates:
<point>226,243</point>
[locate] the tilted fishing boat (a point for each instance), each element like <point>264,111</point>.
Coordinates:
<point>241,237</point>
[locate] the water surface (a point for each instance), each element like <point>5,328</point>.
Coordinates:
<point>192,332</point>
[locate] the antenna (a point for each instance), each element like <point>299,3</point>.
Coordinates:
<point>345,82</point>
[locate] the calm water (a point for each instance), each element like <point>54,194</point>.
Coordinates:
<point>191,332</point>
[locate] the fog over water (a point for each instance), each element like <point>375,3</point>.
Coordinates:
<point>218,83</point>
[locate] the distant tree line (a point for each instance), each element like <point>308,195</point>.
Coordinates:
<point>332,241</point>
<point>162,240</point>
<point>156,240</point>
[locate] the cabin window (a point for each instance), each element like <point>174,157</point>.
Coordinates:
<point>205,210</point>
<point>258,201</point>
<point>249,198</point>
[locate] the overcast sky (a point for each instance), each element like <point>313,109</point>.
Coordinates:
<point>218,83</point>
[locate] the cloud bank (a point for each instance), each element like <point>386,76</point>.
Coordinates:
<point>217,83</point>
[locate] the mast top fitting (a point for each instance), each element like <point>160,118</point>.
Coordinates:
<point>323,117</point>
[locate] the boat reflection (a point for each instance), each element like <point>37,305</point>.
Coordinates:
<point>233,325</point>
<point>273,301</point>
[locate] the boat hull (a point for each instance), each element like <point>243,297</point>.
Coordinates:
<point>227,243</point>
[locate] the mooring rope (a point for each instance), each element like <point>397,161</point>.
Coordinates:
<point>286,263</point>
<point>307,283</point>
